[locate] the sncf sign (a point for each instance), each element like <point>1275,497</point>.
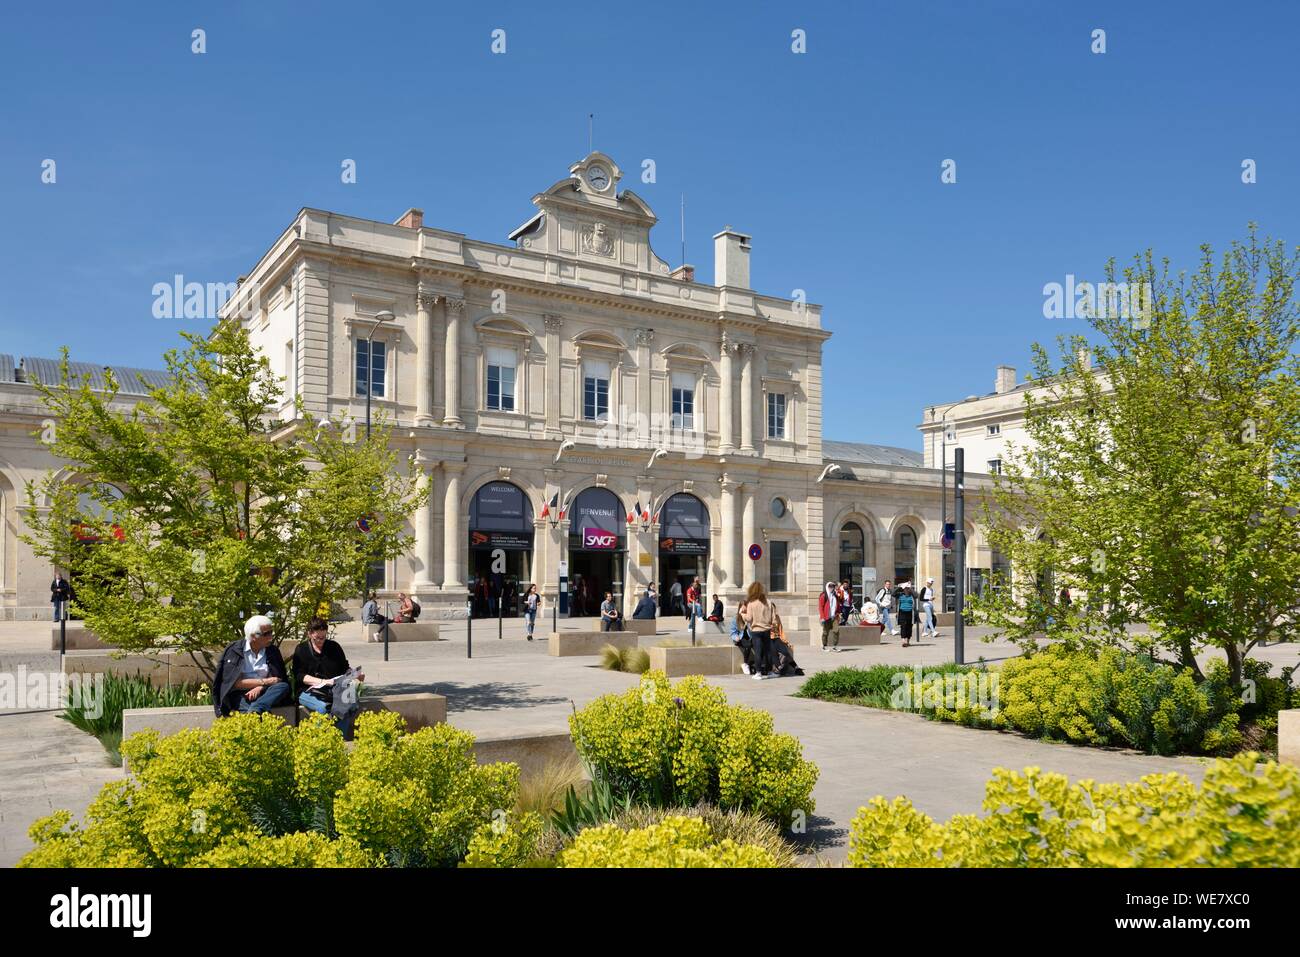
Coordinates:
<point>598,538</point>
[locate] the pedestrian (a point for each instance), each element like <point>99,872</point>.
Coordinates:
<point>885,601</point>
<point>371,615</point>
<point>405,609</point>
<point>697,603</point>
<point>741,639</point>
<point>318,663</point>
<point>60,595</point>
<point>645,608</point>
<point>906,610</point>
<point>609,616</point>
<point>760,617</point>
<point>827,609</point>
<point>715,613</point>
<point>1066,601</point>
<point>675,598</point>
<point>927,607</point>
<point>532,604</point>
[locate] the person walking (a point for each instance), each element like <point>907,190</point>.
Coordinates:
<point>846,601</point>
<point>828,603</point>
<point>60,595</point>
<point>609,616</point>
<point>906,611</point>
<point>532,604</point>
<point>697,589</point>
<point>885,601</point>
<point>760,617</point>
<point>927,607</point>
<point>675,598</point>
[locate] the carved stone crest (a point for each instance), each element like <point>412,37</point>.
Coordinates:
<point>597,240</point>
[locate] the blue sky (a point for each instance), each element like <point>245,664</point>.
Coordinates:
<point>171,162</point>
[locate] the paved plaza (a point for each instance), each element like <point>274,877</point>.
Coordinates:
<point>513,686</point>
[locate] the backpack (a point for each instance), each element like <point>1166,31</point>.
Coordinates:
<point>904,602</point>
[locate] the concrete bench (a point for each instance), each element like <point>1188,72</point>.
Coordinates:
<point>161,668</point>
<point>700,660</point>
<point>641,626</point>
<point>80,638</point>
<point>404,631</point>
<point>1288,736</point>
<point>853,636</point>
<point>565,644</point>
<point>532,751</point>
<point>419,710</point>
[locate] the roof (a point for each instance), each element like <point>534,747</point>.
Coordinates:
<point>130,380</point>
<point>860,453</point>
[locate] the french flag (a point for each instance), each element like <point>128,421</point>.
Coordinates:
<point>553,503</point>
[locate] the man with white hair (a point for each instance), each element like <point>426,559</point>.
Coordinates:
<point>251,674</point>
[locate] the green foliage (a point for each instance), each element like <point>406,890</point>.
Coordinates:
<point>506,842</point>
<point>742,827</point>
<point>1162,499</point>
<point>209,504</point>
<point>675,745</point>
<point>676,841</point>
<point>1244,814</point>
<point>873,687</point>
<point>96,714</point>
<point>219,797</point>
<point>588,806</point>
<point>636,661</point>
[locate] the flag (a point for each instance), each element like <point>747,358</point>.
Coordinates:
<point>630,518</point>
<point>642,513</point>
<point>553,503</point>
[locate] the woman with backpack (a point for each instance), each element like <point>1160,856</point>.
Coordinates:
<point>885,601</point>
<point>760,618</point>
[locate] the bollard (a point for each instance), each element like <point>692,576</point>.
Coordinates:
<point>469,628</point>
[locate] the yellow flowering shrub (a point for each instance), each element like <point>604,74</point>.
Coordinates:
<point>676,841</point>
<point>1244,814</point>
<point>506,842</point>
<point>250,791</point>
<point>676,745</point>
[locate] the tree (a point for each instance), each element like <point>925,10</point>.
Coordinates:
<point>1163,479</point>
<point>202,506</point>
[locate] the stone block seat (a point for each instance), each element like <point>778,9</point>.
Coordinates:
<point>676,662</point>
<point>566,644</point>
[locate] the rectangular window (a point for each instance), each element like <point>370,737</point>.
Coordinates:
<point>595,391</point>
<point>683,402</point>
<point>777,555</point>
<point>776,415</point>
<point>995,466</point>
<point>501,379</point>
<point>290,372</point>
<point>995,429</point>
<point>370,367</point>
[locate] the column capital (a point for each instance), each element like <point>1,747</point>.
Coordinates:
<point>454,305</point>
<point>645,336</point>
<point>553,322</point>
<point>453,467</point>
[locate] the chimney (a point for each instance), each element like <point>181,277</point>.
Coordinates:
<point>731,259</point>
<point>412,219</point>
<point>1006,379</point>
<point>683,273</point>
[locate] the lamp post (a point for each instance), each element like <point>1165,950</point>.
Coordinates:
<point>383,315</point>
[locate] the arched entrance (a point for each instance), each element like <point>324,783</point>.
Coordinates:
<point>905,555</point>
<point>853,557</point>
<point>683,548</point>
<point>500,548</point>
<point>597,550</point>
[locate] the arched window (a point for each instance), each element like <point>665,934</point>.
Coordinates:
<point>853,557</point>
<point>905,554</point>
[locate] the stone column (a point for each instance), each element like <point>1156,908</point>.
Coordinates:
<point>749,533</point>
<point>453,528</point>
<point>424,301</point>
<point>726,427</point>
<point>644,337</point>
<point>553,326</point>
<point>747,399</point>
<point>455,318</point>
<point>424,530</point>
<point>727,560</point>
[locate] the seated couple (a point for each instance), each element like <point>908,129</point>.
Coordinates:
<point>251,676</point>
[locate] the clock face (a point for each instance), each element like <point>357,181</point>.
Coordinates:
<point>598,177</point>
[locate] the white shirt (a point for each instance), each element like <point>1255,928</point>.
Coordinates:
<point>927,593</point>
<point>255,665</point>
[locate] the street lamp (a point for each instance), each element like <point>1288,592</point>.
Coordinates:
<point>829,470</point>
<point>382,316</point>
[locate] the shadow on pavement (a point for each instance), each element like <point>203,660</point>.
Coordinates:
<point>475,697</point>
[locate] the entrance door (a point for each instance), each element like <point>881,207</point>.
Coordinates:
<point>491,587</point>
<point>681,569</point>
<point>591,574</point>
